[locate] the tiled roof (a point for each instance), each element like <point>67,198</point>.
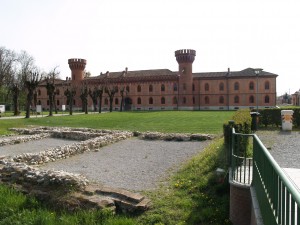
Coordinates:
<point>56,81</point>
<point>137,73</point>
<point>249,72</point>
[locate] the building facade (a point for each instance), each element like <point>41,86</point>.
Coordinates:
<point>163,89</point>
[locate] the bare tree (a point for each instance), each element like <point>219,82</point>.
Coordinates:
<point>50,86</point>
<point>70,94</point>
<point>84,98</point>
<point>8,60</point>
<point>111,91</point>
<point>32,80</point>
<point>94,96</point>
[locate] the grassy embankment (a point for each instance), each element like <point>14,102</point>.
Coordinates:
<point>192,195</point>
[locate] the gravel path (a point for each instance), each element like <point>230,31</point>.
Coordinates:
<point>283,146</point>
<point>131,164</point>
<point>33,146</point>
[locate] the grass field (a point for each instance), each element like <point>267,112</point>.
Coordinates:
<point>165,121</point>
<point>190,197</point>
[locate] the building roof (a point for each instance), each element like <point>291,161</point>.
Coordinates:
<point>249,72</point>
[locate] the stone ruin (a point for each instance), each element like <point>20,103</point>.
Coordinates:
<point>21,171</point>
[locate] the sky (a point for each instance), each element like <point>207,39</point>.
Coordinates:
<point>140,34</point>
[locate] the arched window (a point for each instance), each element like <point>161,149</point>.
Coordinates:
<point>163,100</point>
<point>127,89</point>
<point>57,92</point>
<point>193,87</point>
<point>251,99</point>
<point>236,99</point>
<point>105,101</point>
<point>116,89</point>
<point>150,100</point>
<point>206,87</point>
<point>116,101</point>
<point>184,86</point>
<point>74,102</point>
<point>267,99</point>
<point>267,85</point>
<point>174,100</point>
<point>150,88</point>
<point>221,86</point>
<point>194,101</point>
<point>184,100</point>
<point>206,100</point>
<point>162,88</point>
<point>57,102</point>
<point>139,101</point>
<point>251,85</point>
<point>236,86</point>
<point>39,102</point>
<point>221,100</point>
<point>175,88</point>
<point>39,92</point>
<point>139,89</point>
<point>48,103</point>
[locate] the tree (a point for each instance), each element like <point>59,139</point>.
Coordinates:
<point>50,86</point>
<point>15,89</point>
<point>70,93</point>
<point>94,96</point>
<point>84,98</point>
<point>111,91</point>
<point>8,59</point>
<point>123,92</point>
<point>100,94</point>
<point>32,80</point>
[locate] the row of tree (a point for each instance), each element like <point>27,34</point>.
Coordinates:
<point>20,77</point>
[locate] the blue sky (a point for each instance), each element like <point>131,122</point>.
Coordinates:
<point>139,34</point>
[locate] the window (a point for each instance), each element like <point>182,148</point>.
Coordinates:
<point>174,100</point>
<point>175,88</point>
<point>251,85</point>
<point>236,86</point>
<point>221,100</point>
<point>194,101</point>
<point>116,101</point>
<point>150,88</point>
<point>150,100</point>
<point>267,99</point>
<point>57,102</point>
<point>162,88</point>
<point>105,101</point>
<point>206,100</point>
<point>39,102</point>
<point>184,100</point>
<point>267,85</point>
<point>184,86</point>
<point>251,99</point>
<point>139,89</point>
<point>48,102</point>
<point>193,87</point>
<point>139,101</point>
<point>221,86</point>
<point>39,92</point>
<point>206,87</point>
<point>127,89</point>
<point>57,91</point>
<point>74,102</point>
<point>236,99</point>
<point>163,100</point>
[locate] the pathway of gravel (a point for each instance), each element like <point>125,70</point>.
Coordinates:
<point>132,164</point>
<point>283,146</point>
<point>33,146</point>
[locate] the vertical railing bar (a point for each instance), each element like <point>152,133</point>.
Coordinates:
<point>279,201</point>
<point>298,214</point>
<point>249,171</point>
<point>292,211</point>
<point>287,209</point>
<point>283,205</point>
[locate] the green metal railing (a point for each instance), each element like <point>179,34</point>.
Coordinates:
<point>278,198</point>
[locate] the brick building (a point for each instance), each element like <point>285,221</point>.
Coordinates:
<point>163,89</point>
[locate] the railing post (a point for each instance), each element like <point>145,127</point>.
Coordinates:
<point>230,142</point>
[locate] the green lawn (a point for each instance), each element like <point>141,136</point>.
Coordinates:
<point>167,121</point>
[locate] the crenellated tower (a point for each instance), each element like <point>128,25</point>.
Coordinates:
<point>77,67</point>
<point>185,59</point>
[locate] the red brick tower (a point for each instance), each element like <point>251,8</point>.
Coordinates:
<point>77,67</point>
<point>185,59</point>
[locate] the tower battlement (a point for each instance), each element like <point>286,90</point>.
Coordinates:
<point>185,55</point>
<point>77,64</point>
